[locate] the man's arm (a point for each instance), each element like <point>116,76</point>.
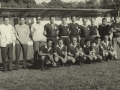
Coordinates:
<point>32,29</point>
<point>43,54</point>
<point>45,30</point>
<point>16,34</point>
<point>27,34</point>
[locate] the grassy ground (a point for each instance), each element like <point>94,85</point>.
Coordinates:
<point>96,76</point>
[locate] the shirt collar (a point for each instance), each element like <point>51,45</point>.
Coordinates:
<point>73,45</point>
<point>47,48</point>
<point>84,25</point>
<point>64,25</point>
<point>60,47</point>
<point>104,25</point>
<point>106,43</point>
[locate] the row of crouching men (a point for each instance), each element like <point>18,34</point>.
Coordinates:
<point>66,44</point>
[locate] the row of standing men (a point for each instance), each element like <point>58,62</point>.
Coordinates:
<point>66,32</point>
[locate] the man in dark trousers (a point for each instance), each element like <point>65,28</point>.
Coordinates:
<point>22,35</point>
<point>51,31</point>
<point>104,29</point>
<point>74,28</point>
<point>7,37</point>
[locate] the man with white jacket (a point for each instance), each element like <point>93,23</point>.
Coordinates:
<point>7,37</point>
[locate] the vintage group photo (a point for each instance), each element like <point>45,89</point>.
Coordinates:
<point>60,45</point>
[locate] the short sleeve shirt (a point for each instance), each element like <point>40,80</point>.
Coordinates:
<point>86,50</point>
<point>45,49</point>
<point>51,30</point>
<point>84,31</point>
<point>60,50</point>
<point>22,31</point>
<point>116,26</point>
<point>63,30</point>
<point>73,27</point>
<point>73,49</point>
<point>37,30</point>
<point>104,30</point>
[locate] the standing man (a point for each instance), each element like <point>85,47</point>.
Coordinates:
<point>104,29</point>
<point>74,29</point>
<point>116,34</point>
<point>51,31</point>
<point>7,36</point>
<point>93,29</point>
<point>84,32</point>
<point>64,31</point>
<point>22,34</point>
<point>38,38</point>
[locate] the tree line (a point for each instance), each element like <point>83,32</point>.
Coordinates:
<point>105,4</point>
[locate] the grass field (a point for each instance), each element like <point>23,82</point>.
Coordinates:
<point>96,76</point>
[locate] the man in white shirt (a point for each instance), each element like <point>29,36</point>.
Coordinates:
<point>7,37</point>
<point>38,38</point>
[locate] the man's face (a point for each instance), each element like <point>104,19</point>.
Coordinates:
<point>52,20</point>
<point>50,44</point>
<point>22,20</point>
<point>73,19</point>
<point>74,40</point>
<point>84,21</point>
<point>38,19</point>
<point>88,43</point>
<point>64,20</point>
<point>104,22</point>
<point>60,43</point>
<point>92,21</point>
<point>6,21</point>
<point>98,41</point>
<point>106,38</point>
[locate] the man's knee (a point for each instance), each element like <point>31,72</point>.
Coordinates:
<point>56,59</point>
<point>42,57</point>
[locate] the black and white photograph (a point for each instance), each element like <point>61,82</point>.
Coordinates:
<point>59,44</point>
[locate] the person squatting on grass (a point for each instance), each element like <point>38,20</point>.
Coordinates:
<point>75,53</point>
<point>87,48</point>
<point>46,55</point>
<point>60,53</point>
<point>107,49</point>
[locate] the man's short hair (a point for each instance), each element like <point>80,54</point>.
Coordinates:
<point>49,40</point>
<point>6,17</point>
<point>52,16</point>
<point>104,19</point>
<point>74,37</point>
<point>73,16</point>
<point>22,17</point>
<point>87,40</point>
<point>63,17</point>
<point>38,16</point>
<point>96,38</point>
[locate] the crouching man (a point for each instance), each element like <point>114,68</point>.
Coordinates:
<point>87,52</point>
<point>107,49</point>
<point>60,53</point>
<point>46,55</point>
<point>75,53</point>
